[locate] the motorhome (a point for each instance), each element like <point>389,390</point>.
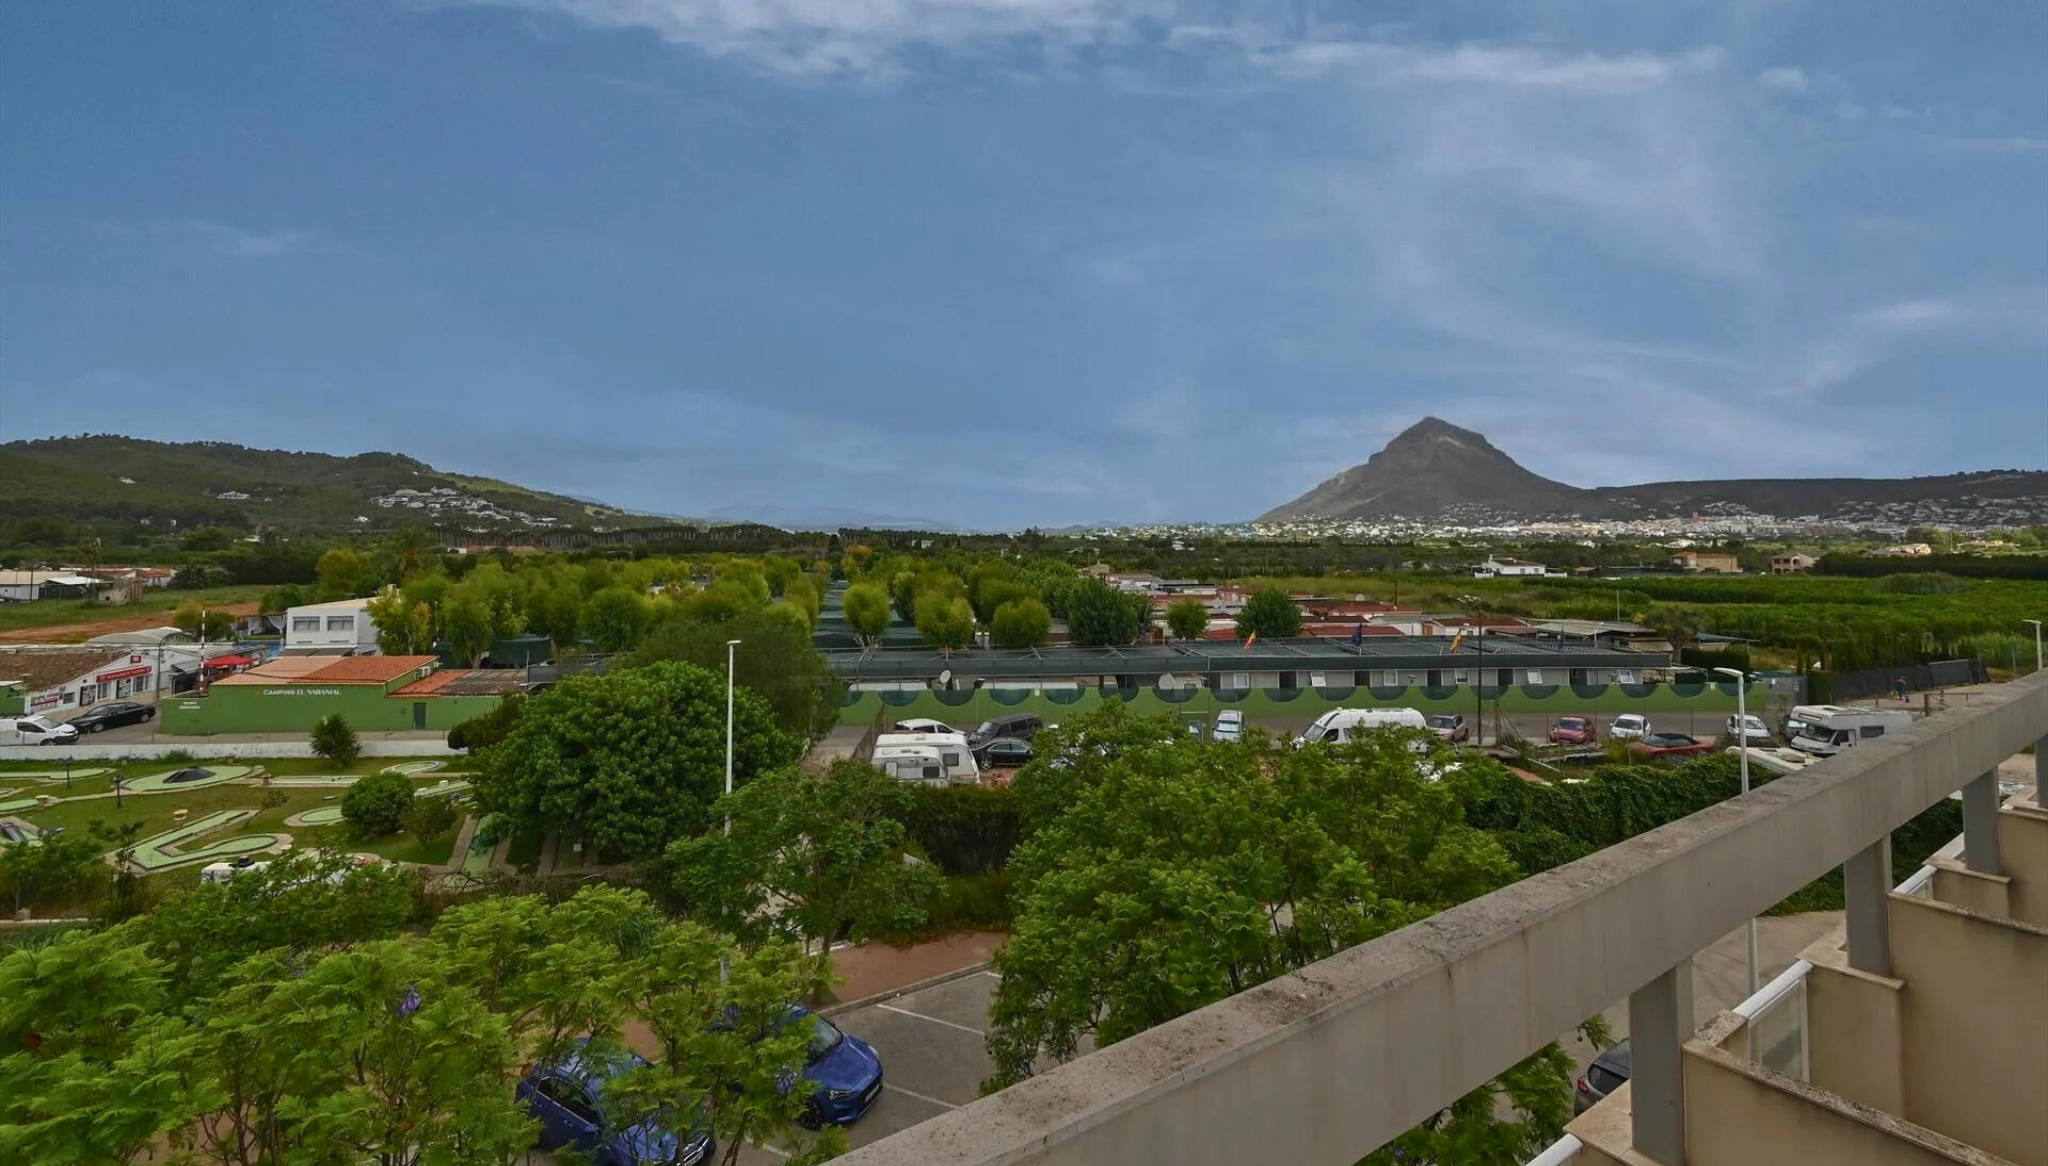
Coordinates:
<point>1829,729</point>
<point>1344,725</point>
<point>920,763</point>
<point>1802,715</point>
<point>952,747</point>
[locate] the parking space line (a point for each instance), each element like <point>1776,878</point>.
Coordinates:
<point>933,1019</point>
<point>919,1096</point>
<point>991,975</point>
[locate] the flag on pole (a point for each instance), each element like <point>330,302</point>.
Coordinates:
<point>1457,639</point>
<point>1358,634</point>
<point>1251,639</point>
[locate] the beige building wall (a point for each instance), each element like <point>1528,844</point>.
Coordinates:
<point>2023,853</point>
<point>1974,1022</point>
<point>1854,1021</point>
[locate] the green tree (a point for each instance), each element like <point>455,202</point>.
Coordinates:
<point>335,739</point>
<point>283,598</point>
<point>192,619</point>
<point>828,848</point>
<point>487,729</point>
<point>616,618</point>
<point>49,871</point>
<point>631,760</point>
<point>466,621</point>
<point>404,628</point>
<point>1269,614</point>
<point>944,621</point>
<point>1020,623</point>
<point>344,574</point>
<point>1187,619</point>
<point>743,1068</point>
<point>775,659</point>
<point>377,803</point>
<point>430,818</point>
<point>867,611</point>
<point>1099,615</point>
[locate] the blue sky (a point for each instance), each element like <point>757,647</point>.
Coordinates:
<point>997,262</point>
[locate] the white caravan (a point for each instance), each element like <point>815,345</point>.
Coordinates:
<point>1829,729</point>
<point>1344,725</point>
<point>952,747</point>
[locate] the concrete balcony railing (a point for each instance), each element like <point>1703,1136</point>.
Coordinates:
<point>1325,1065</point>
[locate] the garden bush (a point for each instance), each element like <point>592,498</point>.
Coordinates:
<point>335,739</point>
<point>964,829</point>
<point>975,900</point>
<point>377,804</point>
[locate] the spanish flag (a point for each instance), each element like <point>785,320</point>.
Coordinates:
<point>1457,639</point>
<point>1251,639</point>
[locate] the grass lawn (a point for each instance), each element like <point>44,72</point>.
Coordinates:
<point>52,612</point>
<point>155,812</point>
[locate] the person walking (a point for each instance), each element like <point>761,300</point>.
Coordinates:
<point>1899,688</point>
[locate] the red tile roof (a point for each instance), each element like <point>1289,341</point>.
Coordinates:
<point>368,669</point>
<point>432,682</point>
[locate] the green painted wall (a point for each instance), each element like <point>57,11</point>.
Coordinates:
<point>249,708</point>
<point>13,699</point>
<point>1305,704</point>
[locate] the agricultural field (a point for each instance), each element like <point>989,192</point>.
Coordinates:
<point>187,814</point>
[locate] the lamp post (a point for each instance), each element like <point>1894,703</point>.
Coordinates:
<point>1478,668</point>
<point>730,647</point>
<point>2037,642</point>
<point>1742,760</point>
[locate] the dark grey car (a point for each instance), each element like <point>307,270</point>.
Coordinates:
<point>1605,1075</point>
<point>1022,726</point>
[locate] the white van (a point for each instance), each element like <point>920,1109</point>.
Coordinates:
<point>1344,725</point>
<point>1832,729</point>
<point>227,872</point>
<point>953,751</point>
<point>34,730</point>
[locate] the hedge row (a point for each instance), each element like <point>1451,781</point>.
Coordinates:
<point>965,829</point>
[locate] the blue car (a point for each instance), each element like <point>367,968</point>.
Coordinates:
<point>567,1098</point>
<point>847,1070</point>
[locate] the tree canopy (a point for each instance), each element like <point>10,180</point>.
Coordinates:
<point>1269,613</point>
<point>775,660</point>
<point>1099,615</point>
<point>631,760</point>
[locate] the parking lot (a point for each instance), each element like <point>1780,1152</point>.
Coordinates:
<point>933,1058</point>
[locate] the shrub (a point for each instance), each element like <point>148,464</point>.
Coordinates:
<point>975,900</point>
<point>1020,623</point>
<point>335,739</point>
<point>377,804</point>
<point>965,829</point>
<point>429,818</point>
<point>487,729</point>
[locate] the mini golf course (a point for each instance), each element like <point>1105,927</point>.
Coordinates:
<point>169,850</point>
<point>186,777</point>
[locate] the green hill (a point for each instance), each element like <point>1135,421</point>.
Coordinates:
<point>179,485</point>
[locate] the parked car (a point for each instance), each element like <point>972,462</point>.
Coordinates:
<point>1607,1073</point>
<point>847,1070</point>
<point>1229,726</point>
<point>34,730</point>
<point>1450,726</point>
<point>1658,746</point>
<point>112,715</point>
<point>1005,752</point>
<point>1629,727</point>
<point>1751,728</point>
<point>1022,726</point>
<point>1573,731</point>
<point>926,725</point>
<point>567,1098</point>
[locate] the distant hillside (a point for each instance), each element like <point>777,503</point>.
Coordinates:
<point>126,479</point>
<point>1434,469</point>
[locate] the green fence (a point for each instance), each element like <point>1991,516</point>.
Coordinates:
<point>1303,704</point>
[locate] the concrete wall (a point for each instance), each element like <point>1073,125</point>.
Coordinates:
<point>1740,1114</point>
<point>1855,1038</point>
<point>859,708</point>
<point>2023,853</point>
<point>1974,1017</point>
<point>252,708</point>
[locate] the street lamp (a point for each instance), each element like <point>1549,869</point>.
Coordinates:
<point>1478,668</point>
<point>2037,642</point>
<point>730,647</point>
<point>1742,759</point>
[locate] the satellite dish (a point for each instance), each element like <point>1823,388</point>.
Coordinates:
<point>1167,680</point>
<point>945,678</point>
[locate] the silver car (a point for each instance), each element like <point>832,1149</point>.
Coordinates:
<point>1229,726</point>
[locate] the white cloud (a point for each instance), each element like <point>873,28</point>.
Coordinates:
<point>1788,78</point>
<point>241,243</point>
<point>1488,65</point>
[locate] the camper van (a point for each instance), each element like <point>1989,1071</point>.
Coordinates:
<point>1826,729</point>
<point>1345,725</point>
<point>952,750</point>
<point>227,872</point>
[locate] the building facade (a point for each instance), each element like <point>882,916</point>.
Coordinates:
<point>340,628</point>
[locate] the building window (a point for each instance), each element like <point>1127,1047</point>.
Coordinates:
<point>305,623</point>
<point>1535,676</point>
<point>1624,676</point>
<point>341,623</point>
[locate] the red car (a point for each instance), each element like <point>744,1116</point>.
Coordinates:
<point>1573,731</point>
<point>1671,746</point>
